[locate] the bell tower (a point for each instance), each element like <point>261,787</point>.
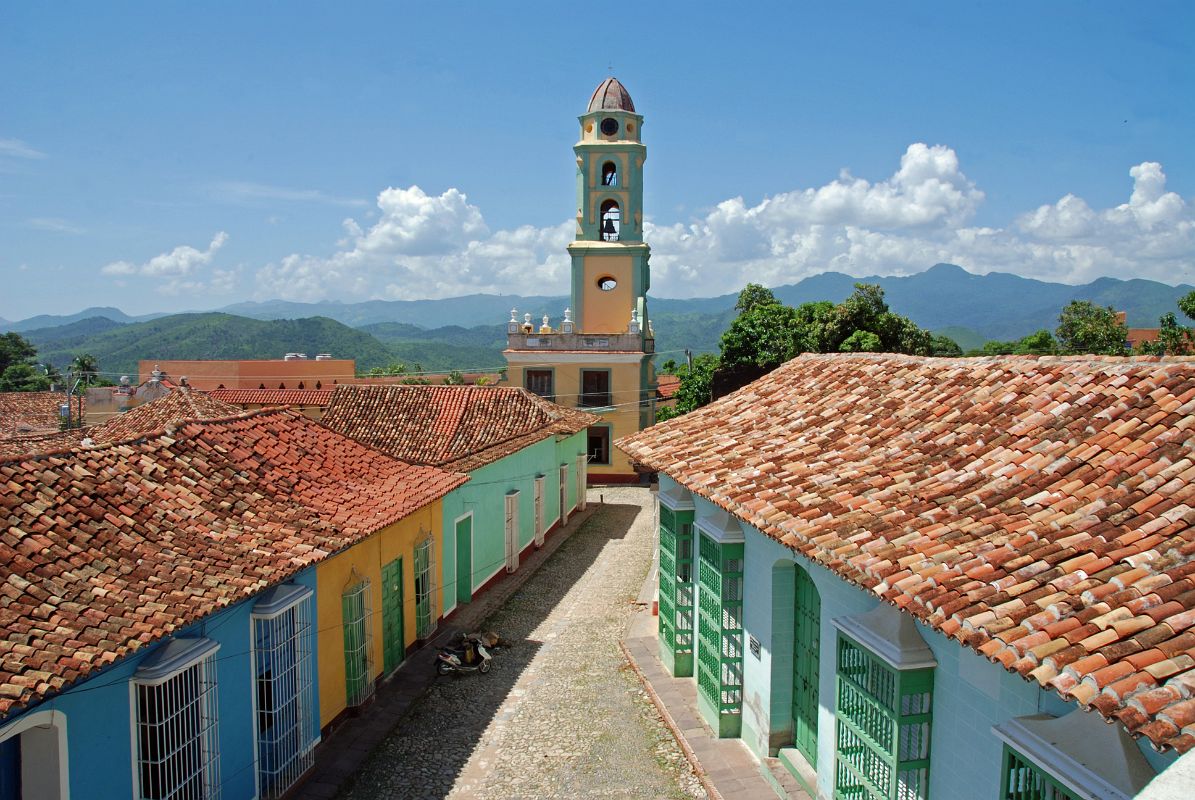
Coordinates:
<point>610,273</point>
<point>599,356</point>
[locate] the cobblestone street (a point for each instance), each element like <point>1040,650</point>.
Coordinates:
<point>560,714</point>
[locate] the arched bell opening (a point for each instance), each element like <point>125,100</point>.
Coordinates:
<point>611,221</point>
<point>609,174</point>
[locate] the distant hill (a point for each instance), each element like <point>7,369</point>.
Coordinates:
<point>466,332</point>
<point>57,320</point>
<point>218,336</point>
<point>468,311</point>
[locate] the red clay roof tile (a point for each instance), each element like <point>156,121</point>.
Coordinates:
<point>1064,485</point>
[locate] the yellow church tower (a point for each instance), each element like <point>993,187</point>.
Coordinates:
<point>598,356</point>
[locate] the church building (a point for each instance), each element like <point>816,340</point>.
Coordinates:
<point>599,355</point>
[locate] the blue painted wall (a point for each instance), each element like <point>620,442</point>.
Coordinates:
<point>971,694</point>
<point>99,714</point>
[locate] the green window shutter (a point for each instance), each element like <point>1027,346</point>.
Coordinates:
<point>676,591</point>
<point>720,635</point>
<point>1021,779</point>
<point>882,727</point>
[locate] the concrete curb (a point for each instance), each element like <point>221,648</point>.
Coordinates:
<point>681,741</point>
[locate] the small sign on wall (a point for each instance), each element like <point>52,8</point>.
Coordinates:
<point>753,643</point>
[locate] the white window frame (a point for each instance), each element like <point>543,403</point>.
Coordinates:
<point>359,585</point>
<point>511,521</point>
<point>45,768</point>
<point>161,676</point>
<point>582,465</point>
<point>539,511</point>
<point>282,619</point>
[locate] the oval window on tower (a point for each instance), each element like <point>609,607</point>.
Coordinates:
<point>606,283</point>
<point>609,126</point>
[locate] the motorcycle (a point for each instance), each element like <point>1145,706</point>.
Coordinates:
<point>473,654</point>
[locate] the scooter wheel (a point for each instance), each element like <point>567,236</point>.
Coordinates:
<point>484,666</point>
<point>443,668</point>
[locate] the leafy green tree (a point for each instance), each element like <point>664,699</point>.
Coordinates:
<point>15,349</point>
<point>944,346</point>
<point>1085,328</point>
<point>998,348</point>
<point>765,336</point>
<point>861,342</point>
<point>1039,343</point>
<point>695,388</point>
<point>753,296</point>
<point>23,378</point>
<point>1174,339</point>
<point>455,378</point>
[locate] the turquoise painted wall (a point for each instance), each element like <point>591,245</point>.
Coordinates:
<point>971,694</point>
<point>484,495</point>
<point>98,711</point>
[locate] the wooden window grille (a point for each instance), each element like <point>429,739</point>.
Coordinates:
<point>283,693</point>
<point>1021,779</point>
<point>807,650</point>
<point>175,711</point>
<point>539,381</point>
<point>425,621</point>
<point>720,632</point>
<point>358,641</point>
<point>882,727</point>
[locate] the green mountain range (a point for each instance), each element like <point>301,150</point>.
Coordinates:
<point>468,333</point>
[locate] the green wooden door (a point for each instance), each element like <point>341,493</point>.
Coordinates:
<point>805,670</point>
<point>393,647</point>
<point>464,560</point>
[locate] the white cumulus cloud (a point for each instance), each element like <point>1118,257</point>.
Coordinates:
<point>182,260</point>
<point>423,246</point>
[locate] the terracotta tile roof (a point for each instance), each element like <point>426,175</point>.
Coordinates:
<point>458,427</point>
<point>666,386</point>
<point>106,549</point>
<point>41,442</point>
<point>1038,510</point>
<point>273,397</point>
<point>31,411</point>
<point>153,417</point>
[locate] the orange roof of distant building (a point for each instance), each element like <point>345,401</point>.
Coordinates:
<point>1039,510</point>
<point>32,411</point>
<point>103,550</point>
<point>666,386</point>
<point>273,397</point>
<point>154,416</point>
<point>1138,335</point>
<point>458,427</point>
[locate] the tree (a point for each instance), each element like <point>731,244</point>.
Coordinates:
<point>1085,328</point>
<point>1039,343</point>
<point>86,368</point>
<point>454,378</point>
<point>944,347</point>
<point>695,386</point>
<point>763,336</point>
<point>861,342</point>
<point>15,349</point>
<point>754,295</point>
<point>23,378</point>
<point>1174,339</point>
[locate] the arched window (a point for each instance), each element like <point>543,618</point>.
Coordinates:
<point>610,221</point>
<point>609,174</point>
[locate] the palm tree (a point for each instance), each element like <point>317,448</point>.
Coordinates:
<point>86,368</point>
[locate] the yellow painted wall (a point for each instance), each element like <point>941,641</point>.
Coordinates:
<point>333,574</point>
<point>624,388</point>
<point>607,312</point>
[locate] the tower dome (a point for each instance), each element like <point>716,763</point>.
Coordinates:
<point>610,95</point>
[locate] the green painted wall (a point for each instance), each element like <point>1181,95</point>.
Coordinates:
<point>484,495</point>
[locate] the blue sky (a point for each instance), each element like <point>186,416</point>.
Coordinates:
<point>186,156</point>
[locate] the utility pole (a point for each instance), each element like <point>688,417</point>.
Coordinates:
<point>689,358</point>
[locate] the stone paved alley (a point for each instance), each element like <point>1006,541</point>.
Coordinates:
<point>560,714</point>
